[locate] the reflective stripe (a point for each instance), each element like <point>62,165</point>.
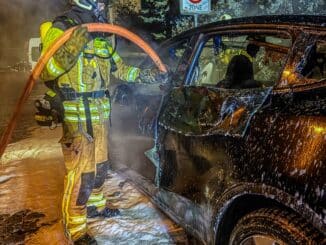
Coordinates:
<point>70,108</point>
<point>95,197</point>
<point>77,220</point>
<point>106,105</point>
<point>53,68</point>
<point>76,121</point>
<point>43,118</point>
<point>75,109</point>
<point>106,114</point>
<point>67,197</point>
<point>80,110</point>
<point>132,74</point>
<point>74,106</point>
<point>80,74</point>
<point>102,52</point>
<point>77,229</point>
<point>92,107</point>
<point>97,204</point>
<point>82,118</point>
<point>116,58</point>
<point>51,93</point>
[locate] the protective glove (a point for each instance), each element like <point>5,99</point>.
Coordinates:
<point>68,54</point>
<point>49,110</point>
<point>152,76</point>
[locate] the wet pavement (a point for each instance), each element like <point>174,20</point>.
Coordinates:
<point>31,187</point>
<point>14,228</point>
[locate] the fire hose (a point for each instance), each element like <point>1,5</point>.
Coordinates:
<point>92,27</point>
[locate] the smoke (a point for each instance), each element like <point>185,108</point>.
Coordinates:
<point>19,21</point>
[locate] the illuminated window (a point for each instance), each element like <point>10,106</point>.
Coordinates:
<point>241,61</point>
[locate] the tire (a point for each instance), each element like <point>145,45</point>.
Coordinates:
<point>273,224</point>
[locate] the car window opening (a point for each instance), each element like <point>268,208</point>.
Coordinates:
<point>241,61</point>
<point>315,63</point>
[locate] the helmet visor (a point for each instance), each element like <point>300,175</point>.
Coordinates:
<point>86,4</point>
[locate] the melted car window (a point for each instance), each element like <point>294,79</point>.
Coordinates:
<point>176,57</point>
<point>206,111</point>
<point>241,62</point>
<point>315,62</point>
<point>173,54</point>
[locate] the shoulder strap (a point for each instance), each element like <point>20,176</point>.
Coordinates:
<point>64,22</point>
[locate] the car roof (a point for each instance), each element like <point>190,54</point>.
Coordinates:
<point>307,20</point>
<point>310,21</point>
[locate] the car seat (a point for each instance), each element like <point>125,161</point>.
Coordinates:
<point>239,74</point>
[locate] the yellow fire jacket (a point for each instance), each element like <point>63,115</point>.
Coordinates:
<point>91,73</point>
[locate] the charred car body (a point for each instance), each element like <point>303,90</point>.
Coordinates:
<point>240,139</point>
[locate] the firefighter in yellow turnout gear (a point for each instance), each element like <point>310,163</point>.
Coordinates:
<point>80,74</point>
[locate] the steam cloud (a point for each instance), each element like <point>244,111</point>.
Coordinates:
<point>19,21</point>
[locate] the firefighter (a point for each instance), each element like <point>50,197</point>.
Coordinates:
<point>79,73</point>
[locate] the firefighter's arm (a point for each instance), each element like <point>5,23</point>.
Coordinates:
<point>67,55</point>
<point>123,71</point>
<point>134,74</point>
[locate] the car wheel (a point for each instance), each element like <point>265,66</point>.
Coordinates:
<point>273,227</point>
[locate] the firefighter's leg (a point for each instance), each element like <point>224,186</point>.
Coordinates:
<point>97,198</point>
<point>79,181</point>
<point>97,201</point>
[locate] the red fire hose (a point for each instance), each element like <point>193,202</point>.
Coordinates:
<point>92,27</point>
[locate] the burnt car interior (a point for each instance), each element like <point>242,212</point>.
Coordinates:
<point>241,61</point>
<point>315,66</point>
<point>232,77</point>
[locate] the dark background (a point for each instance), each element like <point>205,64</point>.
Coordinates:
<point>19,21</point>
<point>157,21</point>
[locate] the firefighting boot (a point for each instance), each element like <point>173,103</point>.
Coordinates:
<point>86,240</point>
<point>105,213</point>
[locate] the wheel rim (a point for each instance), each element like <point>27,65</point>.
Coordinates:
<point>262,240</point>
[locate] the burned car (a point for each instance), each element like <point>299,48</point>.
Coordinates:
<point>240,137</point>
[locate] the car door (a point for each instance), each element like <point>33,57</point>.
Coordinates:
<point>135,109</point>
<point>203,124</point>
<point>297,125</point>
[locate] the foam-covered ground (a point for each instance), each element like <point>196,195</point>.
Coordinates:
<point>31,185</point>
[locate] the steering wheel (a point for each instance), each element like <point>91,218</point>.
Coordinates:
<point>92,27</point>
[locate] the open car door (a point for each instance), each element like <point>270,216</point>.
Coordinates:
<point>136,108</point>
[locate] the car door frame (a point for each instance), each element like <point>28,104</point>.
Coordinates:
<point>187,82</point>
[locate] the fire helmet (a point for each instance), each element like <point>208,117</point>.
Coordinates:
<point>85,4</point>
<point>88,4</point>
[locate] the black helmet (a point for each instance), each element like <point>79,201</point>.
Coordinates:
<point>85,4</point>
<point>100,12</point>
<point>89,4</point>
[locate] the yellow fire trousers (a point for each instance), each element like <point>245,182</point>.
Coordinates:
<point>86,162</point>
